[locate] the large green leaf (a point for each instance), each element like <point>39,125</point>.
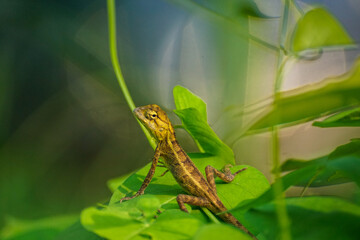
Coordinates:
<point>41,229</point>
<point>120,225</point>
<point>120,218</point>
<point>348,118</point>
<point>311,101</point>
<point>139,218</point>
<point>311,218</point>
<point>318,29</point>
<point>121,221</point>
<point>287,181</point>
<point>325,176</point>
<point>340,166</point>
<point>247,185</point>
<point>343,164</point>
<point>192,112</point>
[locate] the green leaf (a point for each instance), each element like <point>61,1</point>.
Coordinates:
<point>46,228</point>
<point>318,29</point>
<point>325,176</point>
<point>220,231</point>
<point>287,181</point>
<point>185,99</point>
<point>311,101</point>
<point>128,220</point>
<point>248,185</point>
<point>121,221</point>
<point>116,196</point>
<point>192,112</point>
<point>108,222</point>
<point>346,160</point>
<point>342,165</point>
<point>311,218</point>
<point>147,205</point>
<point>348,118</point>
<point>204,135</point>
<point>164,187</point>
<point>293,164</point>
<point>349,149</point>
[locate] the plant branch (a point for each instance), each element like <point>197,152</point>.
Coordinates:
<point>280,203</point>
<point>116,65</point>
<point>210,215</point>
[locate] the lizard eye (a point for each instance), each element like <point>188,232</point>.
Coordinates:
<point>151,115</point>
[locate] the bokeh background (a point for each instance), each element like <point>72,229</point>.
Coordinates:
<point>65,128</point>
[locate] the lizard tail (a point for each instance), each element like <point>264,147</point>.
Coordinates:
<point>229,218</point>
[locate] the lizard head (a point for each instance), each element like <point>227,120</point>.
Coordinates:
<point>155,120</point>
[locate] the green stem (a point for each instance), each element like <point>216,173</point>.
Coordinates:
<point>114,56</point>
<point>116,65</point>
<point>210,215</point>
<point>280,203</point>
<point>281,211</point>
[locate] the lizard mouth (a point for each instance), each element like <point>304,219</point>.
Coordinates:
<point>139,113</point>
<point>136,110</point>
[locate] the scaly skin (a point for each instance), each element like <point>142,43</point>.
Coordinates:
<point>202,192</point>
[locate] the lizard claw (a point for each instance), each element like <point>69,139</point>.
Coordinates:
<point>226,169</point>
<point>243,169</point>
<point>127,198</point>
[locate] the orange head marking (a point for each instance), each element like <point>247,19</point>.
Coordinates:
<point>155,120</point>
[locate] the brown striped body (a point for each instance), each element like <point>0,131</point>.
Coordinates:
<point>188,176</point>
<point>202,192</point>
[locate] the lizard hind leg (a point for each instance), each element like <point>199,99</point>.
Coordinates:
<point>192,200</point>
<point>226,176</point>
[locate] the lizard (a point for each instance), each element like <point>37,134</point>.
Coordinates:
<point>202,191</point>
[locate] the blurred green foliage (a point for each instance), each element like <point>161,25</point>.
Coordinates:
<point>312,101</point>
<point>65,129</point>
<point>62,115</point>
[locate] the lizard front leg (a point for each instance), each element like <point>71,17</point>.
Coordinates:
<point>192,200</point>
<point>226,176</point>
<point>148,177</point>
